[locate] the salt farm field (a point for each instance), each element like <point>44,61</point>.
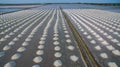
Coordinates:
<point>61,36</point>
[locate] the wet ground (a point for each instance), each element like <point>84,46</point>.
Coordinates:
<point>41,37</point>
<point>12,8</point>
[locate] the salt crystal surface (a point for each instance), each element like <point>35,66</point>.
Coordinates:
<point>58,54</point>
<point>55,38</point>
<point>118,44</point>
<point>85,33</point>
<point>2,54</point>
<point>98,48</point>
<point>11,43</point>
<point>43,38</point>
<point>36,66</point>
<point>2,39</point>
<point>42,42</point>
<point>115,40</point>
<point>10,64</point>
<point>57,63</point>
<point>15,39</point>
<point>116,52</point>
<point>40,46</point>
<point>57,48</point>
<point>112,64</point>
<point>71,48</point>
<point>25,44</point>
<point>28,39</point>
<point>55,35</point>
<point>7,47</point>
<point>67,36</point>
<point>7,36</point>
<point>38,59</point>
<point>89,37</point>
<point>68,40</point>
<point>110,47</point>
<point>93,41</point>
<point>16,56</point>
<point>74,58</point>
<point>21,49</point>
<point>56,43</point>
<point>103,55</point>
<point>105,43</point>
<point>66,32</point>
<point>40,52</point>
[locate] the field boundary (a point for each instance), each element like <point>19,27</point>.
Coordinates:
<point>86,54</point>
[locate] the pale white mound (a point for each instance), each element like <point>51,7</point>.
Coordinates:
<point>118,44</point>
<point>36,66</point>
<point>112,64</point>
<point>7,47</point>
<point>105,43</point>
<point>43,38</point>
<point>38,59</point>
<point>20,35</point>
<point>93,41</point>
<point>16,56</point>
<point>55,35</point>
<point>109,37</point>
<point>2,54</point>
<point>21,49</point>
<point>10,64</point>
<point>74,58</point>
<point>40,46</point>
<point>44,35</point>
<point>68,40</point>
<point>15,39</point>
<point>57,48</point>
<point>12,33</point>
<point>71,48</point>
<point>116,52</point>
<point>85,33</point>
<point>57,63</point>
<point>3,39</point>
<point>28,39</point>
<point>100,39</point>
<point>40,52</point>
<point>56,43</point>
<point>89,37</point>
<point>7,36</point>
<point>114,40</point>
<point>110,47</point>
<point>55,38</point>
<point>42,42</point>
<point>11,43</point>
<point>66,32</point>
<point>67,36</point>
<point>25,44</point>
<point>58,54</point>
<point>98,48</point>
<point>30,36</point>
<point>103,55</point>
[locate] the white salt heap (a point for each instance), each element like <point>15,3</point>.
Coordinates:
<point>10,64</point>
<point>74,58</point>
<point>16,56</point>
<point>58,54</point>
<point>38,59</point>
<point>21,49</point>
<point>71,48</point>
<point>7,47</point>
<point>57,63</point>
<point>40,52</point>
